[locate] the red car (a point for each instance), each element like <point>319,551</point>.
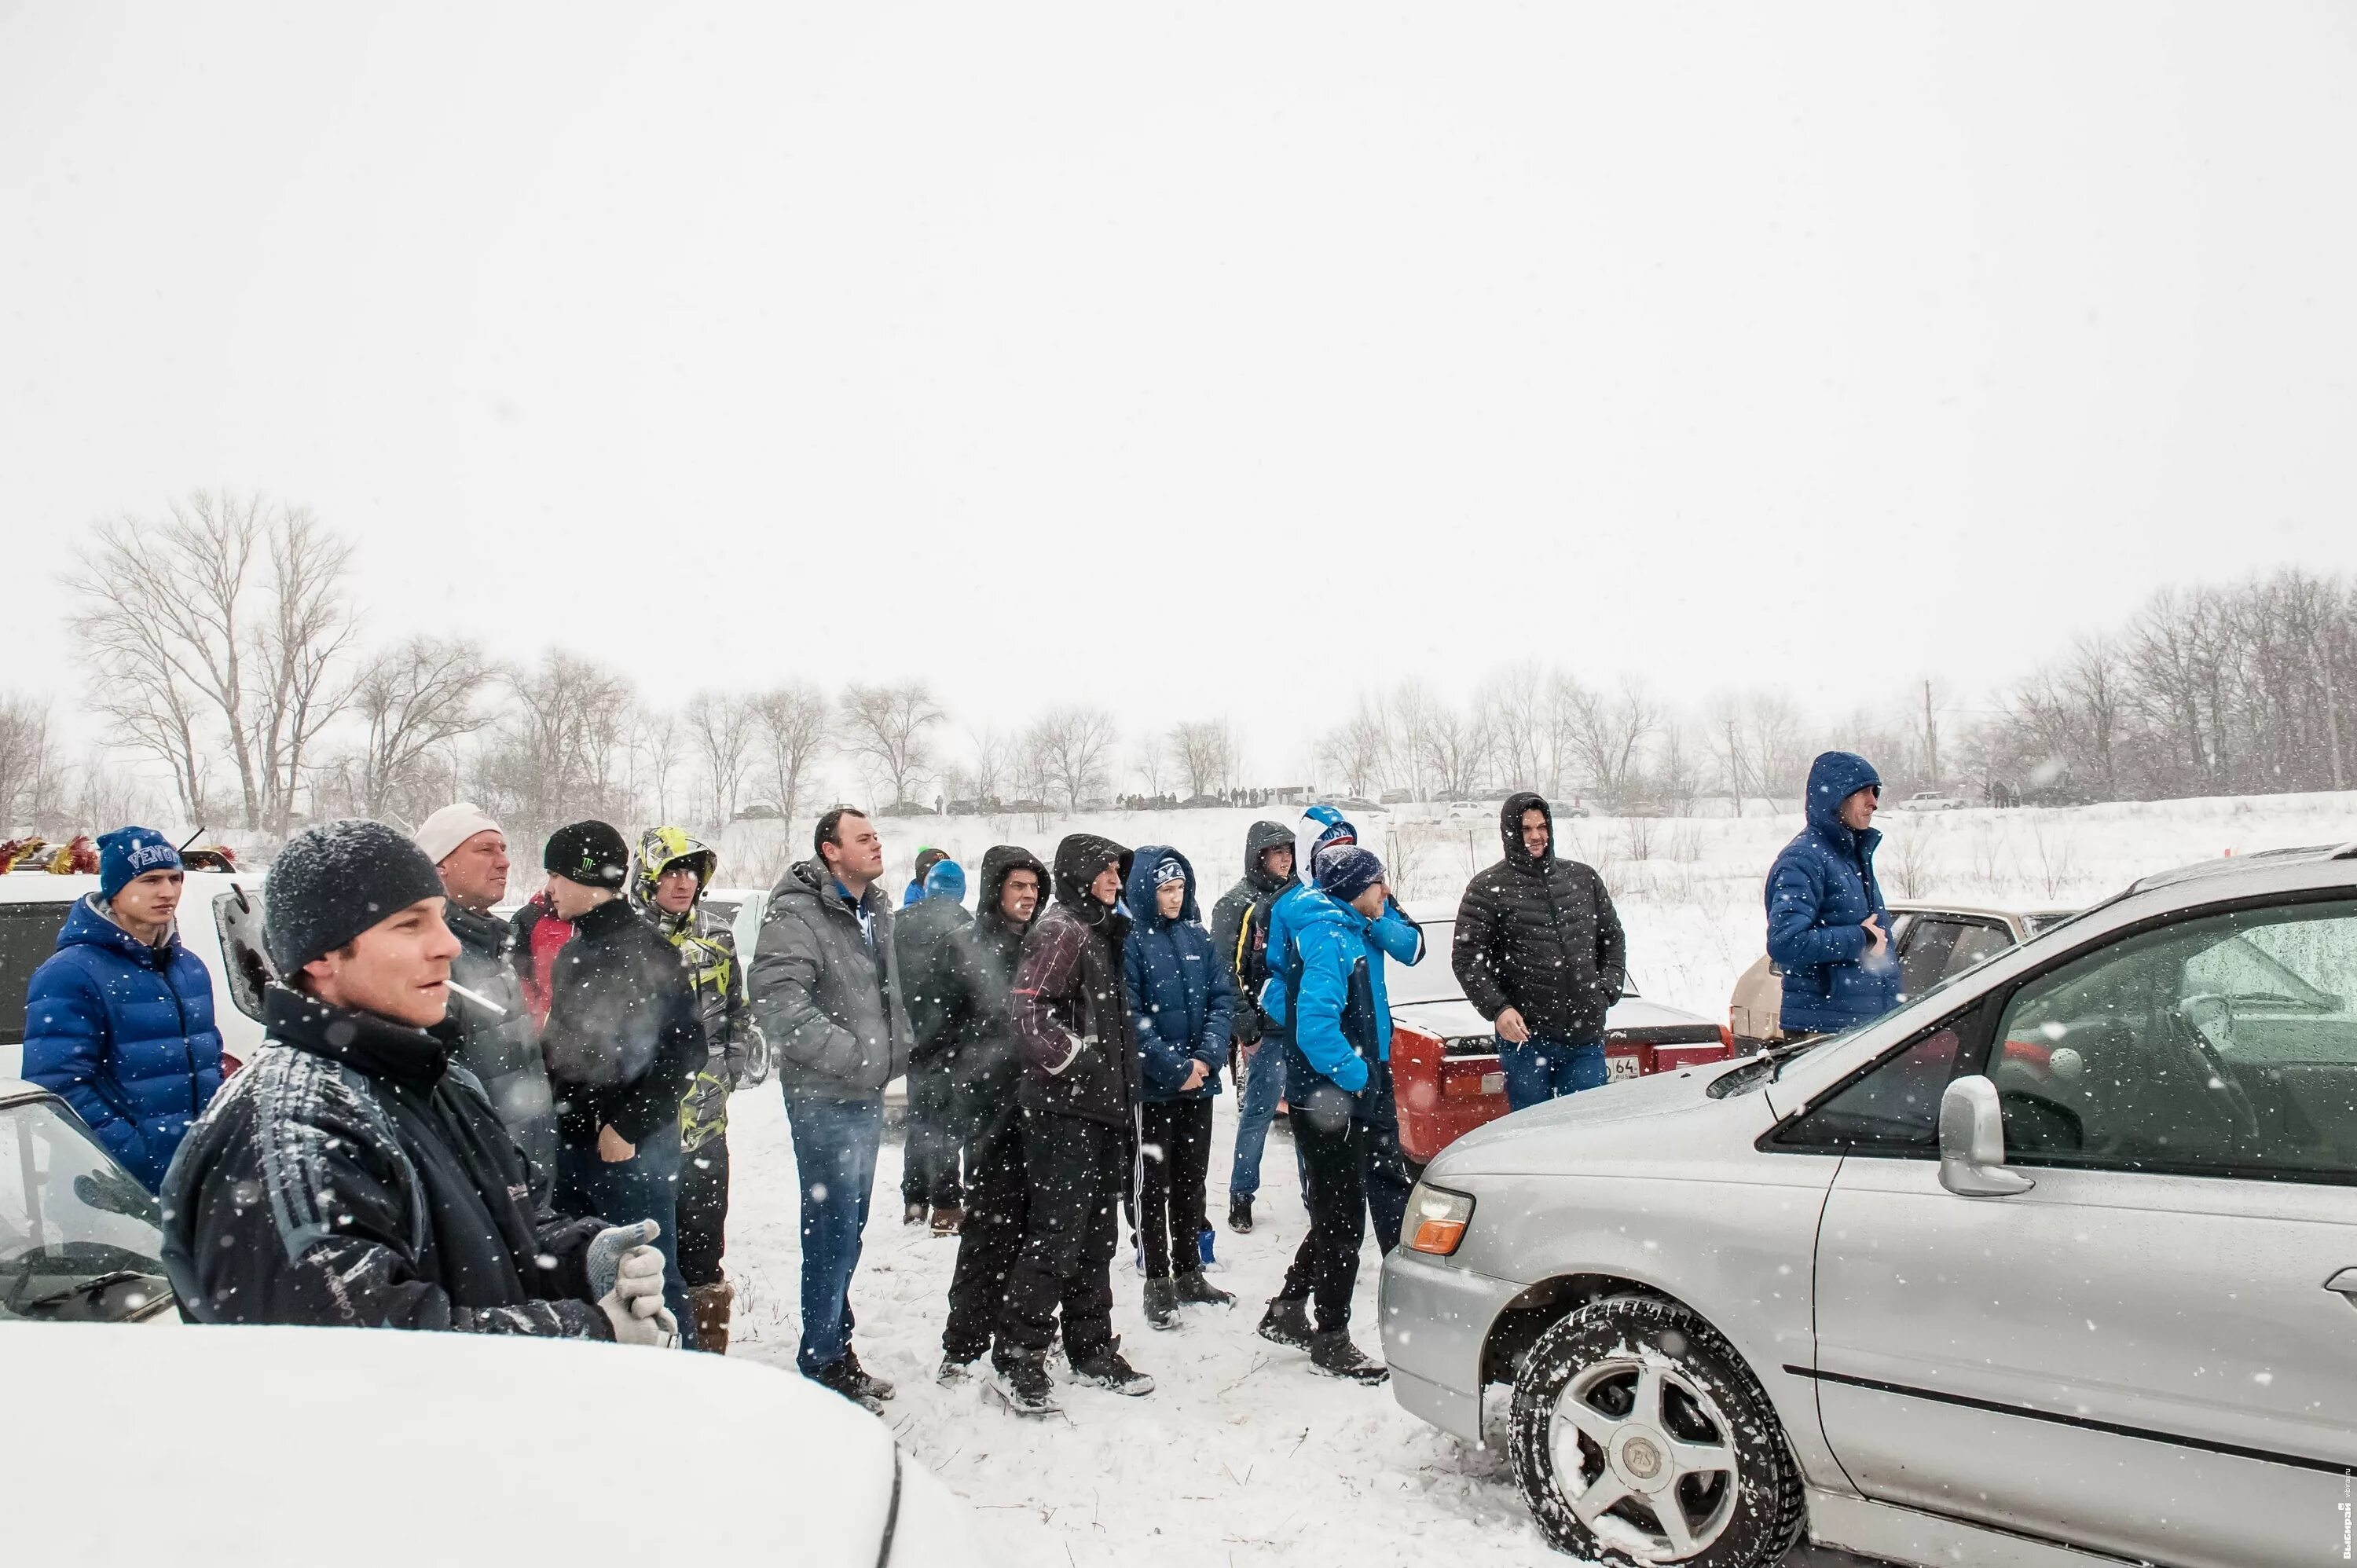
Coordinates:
<point>1445,1070</point>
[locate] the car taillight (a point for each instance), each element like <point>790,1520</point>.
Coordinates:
<point>1726,1039</point>
<point>1439,1217</point>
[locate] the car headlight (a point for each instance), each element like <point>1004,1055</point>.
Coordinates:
<point>1437,1217</point>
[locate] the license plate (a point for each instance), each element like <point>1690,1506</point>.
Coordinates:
<point>1617,1067</point>
<point>1493,1083</point>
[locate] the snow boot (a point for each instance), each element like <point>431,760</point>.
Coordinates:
<point>1334,1355</point>
<point>948,1221</point>
<point>1239,1216</point>
<point>710,1306</point>
<point>1109,1370</point>
<point>954,1371</point>
<point>1023,1382</point>
<point>1161,1305</point>
<point>869,1383</point>
<point>914,1213</point>
<point>1286,1323</point>
<point>840,1378</point>
<point>1197,1291</point>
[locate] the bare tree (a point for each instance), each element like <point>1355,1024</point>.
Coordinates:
<point>1205,751</point>
<point>721,726</point>
<point>659,738</point>
<point>1069,753</point>
<point>1515,709</point>
<point>1151,760</point>
<point>889,729</point>
<point>992,770</point>
<point>1357,750</point>
<point>1607,733</point>
<point>558,752</point>
<point>30,772</point>
<point>1455,749</point>
<point>416,700</point>
<point>792,723</point>
<point>231,608</point>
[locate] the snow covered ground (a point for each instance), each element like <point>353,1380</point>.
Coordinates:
<point>1242,1455</point>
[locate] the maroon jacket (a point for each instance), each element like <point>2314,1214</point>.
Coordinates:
<point>1070,1011</point>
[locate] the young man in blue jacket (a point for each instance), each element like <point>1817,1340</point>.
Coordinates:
<point>1180,1006</point>
<point>119,1021</point>
<point>1828,927</point>
<point>1338,1054</point>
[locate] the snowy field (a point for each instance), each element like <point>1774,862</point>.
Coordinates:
<point>1242,1455</point>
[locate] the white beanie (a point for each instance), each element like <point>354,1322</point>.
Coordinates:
<point>451,826</point>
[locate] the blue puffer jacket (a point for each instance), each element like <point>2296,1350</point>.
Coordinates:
<point>1179,998</point>
<point>1819,890</point>
<point>124,1033</point>
<point>1331,982</point>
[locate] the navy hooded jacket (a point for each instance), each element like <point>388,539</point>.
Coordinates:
<point>1180,997</point>
<point>1819,890</point>
<point>124,1033</point>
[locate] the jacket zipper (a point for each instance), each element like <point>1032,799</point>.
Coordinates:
<point>188,1056</point>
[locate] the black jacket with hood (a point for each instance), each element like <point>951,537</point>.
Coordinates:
<point>967,1024</point>
<point>826,988</point>
<point>1069,1010</point>
<point>353,1175</point>
<point>1240,926</point>
<point>500,1050</point>
<point>623,1040</point>
<point>1539,935</point>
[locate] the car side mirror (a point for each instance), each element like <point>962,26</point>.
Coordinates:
<point>1972,1142</point>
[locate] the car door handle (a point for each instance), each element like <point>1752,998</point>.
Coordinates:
<point>2345,1284</point>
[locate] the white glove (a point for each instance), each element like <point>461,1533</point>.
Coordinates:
<point>654,1326</point>
<point>639,1280</point>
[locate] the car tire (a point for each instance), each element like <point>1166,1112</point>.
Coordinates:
<point>1595,1397</point>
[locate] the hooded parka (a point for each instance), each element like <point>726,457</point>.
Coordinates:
<point>1538,933</point>
<point>1070,1011</point>
<point>1820,892</point>
<point>1180,997</point>
<point>1240,925</point>
<point>707,951</point>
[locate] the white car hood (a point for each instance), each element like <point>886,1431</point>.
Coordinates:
<point>1456,1017</point>
<point>1620,1124</point>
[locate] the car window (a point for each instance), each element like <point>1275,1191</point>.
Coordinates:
<point>28,935</point>
<point>1977,942</point>
<point>245,966</point>
<point>1924,949</point>
<point>2224,1044</point>
<point>80,1239</point>
<point>1893,1108</point>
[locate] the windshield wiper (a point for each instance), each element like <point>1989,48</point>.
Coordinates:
<point>97,1285</point>
<point>1779,1055</point>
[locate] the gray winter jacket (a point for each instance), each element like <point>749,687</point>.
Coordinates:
<point>827,995</point>
<point>500,1051</point>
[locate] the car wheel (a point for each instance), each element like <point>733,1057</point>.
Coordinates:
<point>1639,1436</point>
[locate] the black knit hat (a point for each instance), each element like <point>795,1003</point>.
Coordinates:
<point>591,853</point>
<point>336,880</point>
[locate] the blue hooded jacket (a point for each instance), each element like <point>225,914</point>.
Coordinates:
<point>1179,998</point>
<point>1819,890</point>
<point>124,1033</point>
<point>1334,971</point>
<point>1323,825</point>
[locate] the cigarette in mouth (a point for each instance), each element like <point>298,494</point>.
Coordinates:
<point>485,1002</point>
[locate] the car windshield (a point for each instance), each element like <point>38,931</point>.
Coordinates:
<point>80,1239</point>
<point>1433,980</point>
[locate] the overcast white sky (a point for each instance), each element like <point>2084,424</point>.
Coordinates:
<point>1187,359</point>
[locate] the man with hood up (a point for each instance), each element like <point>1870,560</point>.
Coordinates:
<point>1180,1003</point>
<point>1540,953</point>
<point>1240,936</point>
<point>1828,928</point>
<point>929,1185</point>
<point>968,1025</point>
<point>1079,1096</point>
<point>668,880</point>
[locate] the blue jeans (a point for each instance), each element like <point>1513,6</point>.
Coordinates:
<point>645,1187</point>
<point>834,1152</point>
<point>1540,1070</point>
<point>1255,1108</point>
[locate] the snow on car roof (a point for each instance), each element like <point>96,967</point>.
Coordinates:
<point>366,1448</point>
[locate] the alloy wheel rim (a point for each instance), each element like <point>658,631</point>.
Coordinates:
<point>1644,1457</point>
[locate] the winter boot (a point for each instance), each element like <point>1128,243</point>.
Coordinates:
<point>710,1304</point>
<point>1023,1382</point>
<point>840,1378</point>
<point>948,1221</point>
<point>1108,1369</point>
<point>954,1371</point>
<point>1239,1216</point>
<point>914,1213</point>
<point>1161,1305</point>
<point>868,1383</point>
<point>1286,1323</point>
<point>1197,1291</point>
<point>1334,1355</point>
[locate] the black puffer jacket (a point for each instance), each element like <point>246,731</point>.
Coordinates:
<point>1240,926</point>
<point>1070,1009</point>
<point>623,1039</point>
<point>1540,935</point>
<point>351,1176</point>
<point>500,1050</point>
<point>921,940</point>
<point>972,1023</point>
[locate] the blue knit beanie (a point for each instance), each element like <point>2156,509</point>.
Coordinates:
<point>1345,871</point>
<point>946,880</point>
<point>130,852</point>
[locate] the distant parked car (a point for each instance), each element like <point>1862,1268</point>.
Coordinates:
<point>1446,1073</point>
<point>81,1240</point>
<point>906,808</point>
<point>1200,802</point>
<point>1932,801</point>
<point>1470,812</point>
<point>1933,942</point>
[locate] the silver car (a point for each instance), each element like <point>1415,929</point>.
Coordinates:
<point>2058,1259</point>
